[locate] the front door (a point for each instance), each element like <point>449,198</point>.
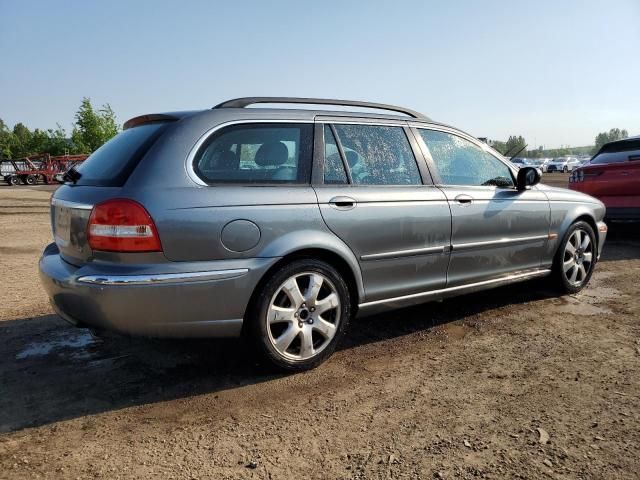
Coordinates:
<point>496,229</point>
<point>376,199</point>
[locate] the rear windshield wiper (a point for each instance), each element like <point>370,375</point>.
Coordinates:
<point>72,175</point>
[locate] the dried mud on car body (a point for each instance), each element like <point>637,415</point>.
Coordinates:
<point>457,389</point>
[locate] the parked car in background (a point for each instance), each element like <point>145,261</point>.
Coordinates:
<point>563,164</point>
<point>536,162</point>
<point>519,162</point>
<point>283,224</point>
<point>613,176</point>
<point>545,164</point>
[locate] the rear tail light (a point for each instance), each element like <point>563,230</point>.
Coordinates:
<point>122,225</point>
<point>576,176</point>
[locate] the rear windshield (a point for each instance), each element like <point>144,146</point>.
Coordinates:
<point>616,157</point>
<point>113,162</point>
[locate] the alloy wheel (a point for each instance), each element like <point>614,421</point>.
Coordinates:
<point>303,315</point>
<point>578,257</point>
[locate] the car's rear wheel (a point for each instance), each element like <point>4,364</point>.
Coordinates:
<point>576,258</point>
<point>300,315</point>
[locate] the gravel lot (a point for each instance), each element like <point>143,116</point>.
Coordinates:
<point>511,383</point>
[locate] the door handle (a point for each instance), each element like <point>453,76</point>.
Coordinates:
<point>464,200</point>
<point>342,203</point>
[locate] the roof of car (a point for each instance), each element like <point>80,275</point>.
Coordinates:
<point>239,107</point>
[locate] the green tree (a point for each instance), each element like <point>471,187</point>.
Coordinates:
<point>22,140</point>
<point>93,127</point>
<point>514,144</point>
<point>610,136</point>
<point>58,143</point>
<point>7,141</point>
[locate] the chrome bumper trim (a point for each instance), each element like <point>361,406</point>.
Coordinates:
<point>163,278</point>
<point>56,202</point>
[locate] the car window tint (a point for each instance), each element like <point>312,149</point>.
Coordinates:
<point>111,164</point>
<point>460,162</point>
<point>616,157</point>
<point>334,172</point>
<point>257,153</point>
<point>378,155</point>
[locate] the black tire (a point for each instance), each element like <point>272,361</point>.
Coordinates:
<point>563,277</point>
<point>565,169</point>
<point>260,330</point>
<point>14,180</point>
<point>31,180</point>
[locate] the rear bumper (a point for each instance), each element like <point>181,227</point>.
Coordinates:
<point>202,299</point>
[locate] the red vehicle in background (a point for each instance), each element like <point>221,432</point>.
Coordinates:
<point>613,177</point>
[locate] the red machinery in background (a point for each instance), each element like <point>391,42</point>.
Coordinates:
<point>35,168</point>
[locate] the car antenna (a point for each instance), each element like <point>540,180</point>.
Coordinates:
<point>515,154</point>
<point>506,154</point>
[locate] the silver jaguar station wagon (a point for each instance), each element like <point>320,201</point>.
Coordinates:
<point>282,224</point>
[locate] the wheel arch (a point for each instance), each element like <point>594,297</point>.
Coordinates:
<point>579,214</point>
<point>352,277</point>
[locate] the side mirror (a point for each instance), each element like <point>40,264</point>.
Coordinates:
<point>527,177</point>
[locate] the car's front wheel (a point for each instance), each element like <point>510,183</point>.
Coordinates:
<point>300,315</point>
<point>576,258</point>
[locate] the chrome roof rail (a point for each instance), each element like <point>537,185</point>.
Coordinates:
<point>246,101</point>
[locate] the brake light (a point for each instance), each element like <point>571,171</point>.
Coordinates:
<point>577,176</point>
<point>122,225</point>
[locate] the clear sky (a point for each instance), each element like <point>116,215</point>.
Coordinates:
<point>556,71</point>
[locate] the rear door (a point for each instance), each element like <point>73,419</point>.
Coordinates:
<point>380,201</point>
<point>496,229</point>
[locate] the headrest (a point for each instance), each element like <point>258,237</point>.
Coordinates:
<point>352,157</point>
<point>271,154</point>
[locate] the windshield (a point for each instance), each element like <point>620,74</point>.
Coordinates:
<point>113,162</point>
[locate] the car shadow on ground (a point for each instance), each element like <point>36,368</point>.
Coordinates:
<point>51,371</point>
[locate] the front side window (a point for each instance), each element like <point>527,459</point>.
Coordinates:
<point>257,154</point>
<point>378,155</point>
<point>460,162</point>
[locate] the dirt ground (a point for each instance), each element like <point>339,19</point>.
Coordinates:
<point>511,383</point>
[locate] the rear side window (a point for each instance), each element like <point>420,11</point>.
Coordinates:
<point>616,157</point>
<point>334,172</point>
<point>113,162</point>
<point>257,154</point>
<point>378,155</point>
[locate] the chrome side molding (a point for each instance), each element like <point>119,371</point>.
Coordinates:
<point>501,241</point>
<point>405,253</point>
<point>470,286</point>
<point>163,278</point>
